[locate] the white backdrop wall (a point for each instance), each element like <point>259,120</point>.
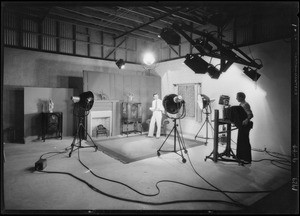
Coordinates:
<point>269,97</point>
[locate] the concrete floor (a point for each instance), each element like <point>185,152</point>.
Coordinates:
<point>27,189</point>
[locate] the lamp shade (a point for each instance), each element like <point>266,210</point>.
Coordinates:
<point>85,100</point>
<point>172,103</point>
<point>203,101</point>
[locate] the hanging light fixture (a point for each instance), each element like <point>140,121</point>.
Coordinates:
<point>170,36</point>
<point>120,63</point>
<point>148,59</point>
<point>213,72</point>
<point>196,63</point>
<point>251,73</point>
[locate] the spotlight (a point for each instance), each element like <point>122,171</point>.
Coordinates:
<point>203,101</point>
<point>213,72</point>
<point>120,63</point>
<point>172,103</point>
<point>148,59</point>
<point>170,36</point>
<point>251,73</point>
<point>204,44</point>
<point>196,63</point>
<point>85,100</point>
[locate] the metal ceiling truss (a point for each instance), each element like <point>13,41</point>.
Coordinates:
<point>227,54</point>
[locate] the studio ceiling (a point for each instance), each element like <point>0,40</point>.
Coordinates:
<point>145,20</point>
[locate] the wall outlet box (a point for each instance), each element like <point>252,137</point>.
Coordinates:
<point>40,164</point>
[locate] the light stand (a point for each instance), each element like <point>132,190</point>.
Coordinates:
<point>207,112</point>
<point>82,107</point>
<point>204,104</point>
<point>172,105</point>
<point>180,142</point>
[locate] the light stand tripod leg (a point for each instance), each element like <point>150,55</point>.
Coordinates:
<point>158,153</point>
<point>96,147</point>
<point>74,139</point>
<point>77,135</point>
<point>180,147</point>
<point>180,139</point>
<point>200,129</point>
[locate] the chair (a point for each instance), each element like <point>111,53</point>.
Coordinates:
<point>101,130</point>
<point>164,122</point>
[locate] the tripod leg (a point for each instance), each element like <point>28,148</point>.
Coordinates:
<point>96,147</point>
<point>200,129</point>
<point>165,140</point>
<point>180,146</point>
<point>181,140</point>
<point>74,139</point>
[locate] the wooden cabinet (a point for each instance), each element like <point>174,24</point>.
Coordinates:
<point>131,120</point>
<point>52,125</point>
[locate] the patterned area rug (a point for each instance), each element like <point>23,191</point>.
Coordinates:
<point>135,148</point>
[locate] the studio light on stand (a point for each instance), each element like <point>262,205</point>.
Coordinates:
<point>173,104</point>
<point>204,104</point>
<point>82,105</point>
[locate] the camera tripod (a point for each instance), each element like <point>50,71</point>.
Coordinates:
<point>206,122</point>
<point>180,143</point>
<point>79,134</point>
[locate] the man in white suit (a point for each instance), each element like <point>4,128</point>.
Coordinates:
<point>157,109</point>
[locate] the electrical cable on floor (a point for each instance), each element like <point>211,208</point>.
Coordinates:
<point>143,202</point>
<point>204,178</point>
<point>281,160</point>
<point>161,181</point>
<point>170,181</point>
<point>139,201</point>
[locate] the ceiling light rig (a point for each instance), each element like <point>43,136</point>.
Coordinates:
<point>214,47</point>
<point>199,66</point>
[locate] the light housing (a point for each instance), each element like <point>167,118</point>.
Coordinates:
<point>213,72</point>
<point>170,36</point>
<point>85,100</point>
<point>172,103</point>
<point>204,44</point>
<point>251,73</point>
<point>196,63</point>
<point>120,63</point>
<point>203,101</point>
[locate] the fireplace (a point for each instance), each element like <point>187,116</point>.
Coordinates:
<point>96,118</point>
